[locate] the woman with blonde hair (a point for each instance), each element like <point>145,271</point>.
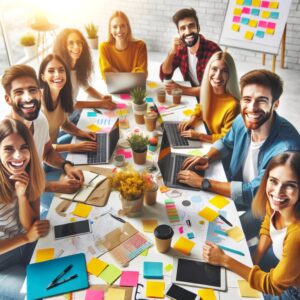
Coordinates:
<point>278,202</point>
<point>121,52</point>
<point>219,100</point>
<point>22,183</point>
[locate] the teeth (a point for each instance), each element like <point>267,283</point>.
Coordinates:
<point>253,116</point>
<point>17,165</point>
<point>279,199</point>
<point>58,81</point>
<point>28,105</point>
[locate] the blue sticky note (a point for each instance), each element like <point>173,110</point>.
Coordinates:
<point>255,11</point>
<point>190,235</point>
<point>260,34</point>
<point>274,15</point>
<point>149,99</point>
<point>91,114</point>
<point>153,270</point>
<point>245,21</point>
<point>247,2</point>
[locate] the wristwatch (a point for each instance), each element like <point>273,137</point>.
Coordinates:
<point>67,162</point>
<point>205,185</point>
<point>206,156</point>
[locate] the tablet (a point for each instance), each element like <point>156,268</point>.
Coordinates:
<point>175,292</point>
<point>71,229</point>
<point>194,272</point>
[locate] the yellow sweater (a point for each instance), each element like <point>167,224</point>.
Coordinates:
<point>222,112</point>
<point>287,271</point>
<point>132,59</point>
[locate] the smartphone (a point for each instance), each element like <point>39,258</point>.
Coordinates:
<point>176,292</point>
<point>71,229</point>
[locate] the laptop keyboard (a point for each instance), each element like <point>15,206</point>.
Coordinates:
<point>177,166</point>
<point>100,155</point>
<point>175,138</point>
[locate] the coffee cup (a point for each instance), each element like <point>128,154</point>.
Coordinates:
<point>163,237</point>
<point>176,93</point>
<point>150,120</point>
<point>161,95</point>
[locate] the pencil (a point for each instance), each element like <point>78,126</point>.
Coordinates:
<point>231,250</point>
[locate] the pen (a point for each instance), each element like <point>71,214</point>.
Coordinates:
<point>220,232</point>
<point>225,220</point>
<point>231,250</point>
<point>66,270</point>
<point>188,223</point>
<point>166,114</point>
<point>117,218</point>
<point>61,282</point>
<point>97,111</point>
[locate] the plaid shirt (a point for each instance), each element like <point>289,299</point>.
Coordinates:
<point>205,51</point>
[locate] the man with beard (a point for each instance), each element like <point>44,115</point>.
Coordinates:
<point>190,52</point>
<point>22,93</point>
<point>257,135</point>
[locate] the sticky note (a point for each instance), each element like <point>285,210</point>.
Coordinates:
<point>252,23</point>
<point>265,4</point>
<point>163,189</point>
<point>122,112</point>
<point>93,127</point>
<point>196,152</point>
<point>235,27</point>
<point>95,266</point>
<point>184,245</point>
<point>129,278</point>
<point>188,112</point>
<point>208,214</point>
<point>153,270</point>
<point>246,290</point>
<point>249,35</point>
<point>274,4</point>
<point>190,235</point>
<point>121,105</point>
<point>123,123</point>
<point>245,21</point>
<point>155,289</point>
<point>274,15</point>
<point>219,201</point>
<point>82,210</point>
<point>236,19</point>
<point>113,294</point>
<point>92,295</point>
<point>270,31</point>
<point>255,11</point>
<point>246,10</point>
<point>110,274</point>
<point>152,84</point>
<point>44,254</point>
<point>247,2</point>
<point>256,3</point>
<point>180,230</point>
<point>149,100</point>
<point>207,294</point>
<point>127,154</point>
<point>265,14</point>
<point>260,34</point>
<point>162,108</point>
<point>125,96</point>
<point>271,25</point>
<point>235,233</point>
<point>91,114</point>
<point>237,11</point>
<point>149,225</point>
<point>239,2</point>
<point>168,267</point>
<point>262,24</point>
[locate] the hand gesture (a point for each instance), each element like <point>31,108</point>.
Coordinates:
<point>86,146</point>
<point>189,178</point>
<point>191,134</point>
<point>182,126</point>
<point>177,45</point>
<point>213,254</point>
<point>108,103</point>
<point>38,229</point>
<point>74,173</point>
<point>196,162</point>
<point>21,183</point>
<point>89,135</point>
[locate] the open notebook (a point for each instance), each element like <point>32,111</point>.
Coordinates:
<point>91,181</point>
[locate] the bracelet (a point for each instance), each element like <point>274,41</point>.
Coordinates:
<point>67,162</point>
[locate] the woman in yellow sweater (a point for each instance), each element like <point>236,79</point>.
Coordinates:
<point>278,201</point>
<point>121,52</point>
<point>219,96</point>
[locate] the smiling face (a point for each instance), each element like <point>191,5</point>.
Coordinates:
<point>188,31</point>
<point>119,29</point>
<point>218,76</point>
<point>74,46</point>
<point>14,153</point>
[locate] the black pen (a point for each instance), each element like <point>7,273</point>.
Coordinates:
<point>188,223</point>
<point>61,282</point>
<point>97,111</point>
<point>117,218</point>
<point>225,220</point>
<point>66,270</point>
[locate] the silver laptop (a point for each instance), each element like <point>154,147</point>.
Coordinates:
<point>124,82</point>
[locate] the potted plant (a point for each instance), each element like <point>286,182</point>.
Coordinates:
<point>139,104</point>
<point>138,144</point>
<point>28,42</point>
<point>151,188</point>
<point>92,34</point>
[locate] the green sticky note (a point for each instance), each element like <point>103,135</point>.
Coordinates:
<point>110,274</point>
<point>145,252</point>
<point>169,201</point>
<point>195,152</point>
<point>168,267</point>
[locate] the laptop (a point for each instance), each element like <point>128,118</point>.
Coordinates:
<point>176,140</point>
<point>170,164</point>
<point>124,82</point>
<point>106,145</point>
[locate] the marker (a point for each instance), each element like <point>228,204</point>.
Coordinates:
<point>231,250</point>
<point>117,218</point>
<point>62,282</point>
<point>220,232</point>
<point>188,223</point>
<point>60,275</point>
<point>225,220</point>
<point>97,111</point>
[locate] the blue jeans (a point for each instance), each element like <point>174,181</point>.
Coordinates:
<point>292,293</point>
<point>13,271</point>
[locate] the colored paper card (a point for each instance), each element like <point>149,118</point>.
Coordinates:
<point>235,233</point>
<point>249,35</point>
<point>265,14</point>
<point>155,289</point>
<point>184,245</point>
<point>235,27</point>
<point>121,105</point>
<point>246,10</point>
<point>252,23</point>
<point>82,210</point>
<point>239,2</point>
<point>236,19</point>
<point>125,96</point>
<point>113,294</point>
<point>274,15</point>
<point>255,11</point>
<point>168,267</point>
<point>163,189</point>
<point>149,225</point>
<point>208,214</point>
<point>245,21</point>
<point>129,278</point>
<point>152,84</point>
<point>247,291</point>
<point>271,25</point>
<point>149,100</point>
<point>188,112</point>
<point>153,270</point>
<point>237,11</point>
<point>262,24</point>
<point>122,112</point>
<point>196,152</point>
<point>44,254</point>
<point>110,274</point>
<point>260,34</point>
<point>256,3</point>
<point>270,31</point>
<point>219,201</point>
<point>247,2</point>
<point>145,252</point>
<point>274,4</point>
<point>91,114</point>
<point>93,127</point>
<point>180,230</point>
<point>162,108</point>
<point>207,294</point>
<point>265,4</point>
<point>92,295</point>
<point>95,266</point>
<point>127,154</point>
<point>190,235</point>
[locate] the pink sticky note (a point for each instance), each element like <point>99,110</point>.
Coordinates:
<point>265,4</point>
<point>161,108</point>
<point>246,10</point>
<point>129,278</point>
<point>236,19</point>
<point>127,154</point>
<point>92,295</point>
<point>180,229</point>
<point>121,105</point>
<point>125,96</point>
<point>271,25</point>
<point>262,24</point>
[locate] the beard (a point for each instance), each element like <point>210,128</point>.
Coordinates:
<point>255,124</point>
<point>29,116</point>
<point>192,42</point>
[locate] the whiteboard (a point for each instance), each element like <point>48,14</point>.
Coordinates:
<point>255,24</point>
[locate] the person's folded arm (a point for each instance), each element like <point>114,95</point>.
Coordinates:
<point>51,157</point>
<point>141,61</point>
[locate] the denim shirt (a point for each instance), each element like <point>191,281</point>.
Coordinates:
<point>283,137</point>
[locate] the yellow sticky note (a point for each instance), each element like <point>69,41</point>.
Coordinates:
<point>95,266</point>
<point>113,294</point>
<point>82,210</point>
<point>237,11</point>
<point>145,252</point>
<point>256,3</point>
<point>72,219</point>
<point>252,23</point>
<point>122,112</point>
<point>239,2</point>
<point>188,112</point>
<point>274,5</point>
<point>207,294</point>
<point>270,31</point>
<point>249,35</point>
<point>208,214</point>
<point>235,27</point>
<point>168,267</point>
<point>163,189</point>
<point>149,225</point>
<point>93,127</point>
<point>195,152</point>
<point>184,245</point>
<point>246,290</point>
<point>235,233</point>
<point>265,14</point>
<point>44,254</point>
<point>152,85</point>
<point>219,201</point>
<point>155,289</point>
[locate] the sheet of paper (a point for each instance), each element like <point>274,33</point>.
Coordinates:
<point>246,290</point>
<point>149,225</point>
<point>207,294</point>
<point>155,289</point>
<point>110,274</point>
<point>95,266</point>
<point>82,210</point>
<point>113,294</point>
<point>235,233</point>
<point>208,214</point>
<point>219,201</point>
<point>92,295</point>
<point>44,254</point>
<point>129,278</point>
<point>153,270</point>
<point>184,245</point>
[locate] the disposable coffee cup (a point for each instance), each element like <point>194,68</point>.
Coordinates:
<point>161,95</point>
<point>163,237</point>
<point>177,93</point>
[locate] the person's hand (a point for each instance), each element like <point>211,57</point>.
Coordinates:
<point>88,135</point>
<point>191,134</point>
<point>106,97</point>
<point>213,254</point>
<point>196,162</point>
<point>190,178</point>
<point>66,185</point>
<point>185,125</point>
<point>177,45</point>
<point>21,183</point>
<point>85,146</point>
<point>38,229</point>
<point>74,173</point>
<point>108,103</point>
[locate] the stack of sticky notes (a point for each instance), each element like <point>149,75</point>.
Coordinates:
<point>153,270</point>
<point>110,274</point>
<point>95,266</point>
<point>171,210</point>
<point>208,214</point>
<point>155,289</point>
<point>184,245</point>
<point>247,291</point>
<point>129,278</point>
<point>149,225</point>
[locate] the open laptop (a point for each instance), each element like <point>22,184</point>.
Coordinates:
<point>170,164</point>
<point>176,140</point>
<point>106,145</point>
<point>124,82</point>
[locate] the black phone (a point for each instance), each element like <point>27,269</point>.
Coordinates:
<point>71,229</point>
<point>178,293</point>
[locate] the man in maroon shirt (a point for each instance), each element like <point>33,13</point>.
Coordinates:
<point>190,52</point>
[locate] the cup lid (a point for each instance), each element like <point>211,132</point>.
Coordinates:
<point>163,232</point>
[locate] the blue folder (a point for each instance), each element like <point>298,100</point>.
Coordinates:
<point>39,275</point>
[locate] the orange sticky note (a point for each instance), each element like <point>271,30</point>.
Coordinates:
<point>208,214</point>
<point>44,254</point>
<point>184,245</point>
<point>155,289</point>
<point>82,210</point>
<point>95,266</point>
<point>235,233</point>
<point>270,31</point>
<point>252,23</point>
<point>149,225</point>
<point>207,294</point>
<point>93,127</point>
<point>249,35</point>
<point>219,201</point>
<point>237,11</point>
<point>235,27</point>
<point>274,5</point>
<point>163,189</point>
<point>151,84</point>
<point>247,291</point>
<point>265,14</point>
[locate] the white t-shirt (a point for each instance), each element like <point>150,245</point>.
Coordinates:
<point>277,237</point>
<point>75,85</point>
<point>192,58</point>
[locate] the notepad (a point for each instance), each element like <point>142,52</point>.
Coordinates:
<point>95,266</point>
<point>219,201</point>
<point>44,254</point>
<point>92,295</point>
<point>113,294</point>
<point>82,210</point>
<point>235,233</point>
<point>110,274</point>
<point>184,245</point>
<point>155,289</point>
<point>153,270</point>
<point>208,214</point>
<point>207,294</point>
<point>149,225</point>
<point>129,278</point>
<point>246,290</point>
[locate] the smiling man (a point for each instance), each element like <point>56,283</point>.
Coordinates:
<point>190,53</point>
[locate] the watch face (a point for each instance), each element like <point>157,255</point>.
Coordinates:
<point>205,184</point>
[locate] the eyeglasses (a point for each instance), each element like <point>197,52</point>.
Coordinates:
<point>73,43</point>
<point>137,292</point>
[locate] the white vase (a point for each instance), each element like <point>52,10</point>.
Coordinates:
<point>30,51</point>
<point>132,208</point>
<point>93,43</point>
